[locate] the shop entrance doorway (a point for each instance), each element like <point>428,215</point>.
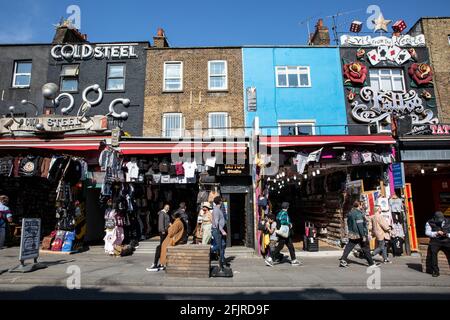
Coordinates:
<point>237,218</point>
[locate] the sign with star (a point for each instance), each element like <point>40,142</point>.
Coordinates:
<point>381,24</point>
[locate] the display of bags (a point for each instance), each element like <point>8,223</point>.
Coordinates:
<point>59,240</point>
<point>69,238</point>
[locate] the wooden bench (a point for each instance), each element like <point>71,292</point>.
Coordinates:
<point>444,267</point>
<point>189,261</point>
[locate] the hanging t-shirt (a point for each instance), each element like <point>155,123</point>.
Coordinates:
<point>189,169</point>
<point>367,157</point>
<point>356,157</point>
<point>211,162</point>
<point>179,168</point>
<point>133,171</point>
<point>301,160</point>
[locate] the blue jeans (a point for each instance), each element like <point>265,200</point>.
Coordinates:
<point>381,248</point>
<point>219,244</point>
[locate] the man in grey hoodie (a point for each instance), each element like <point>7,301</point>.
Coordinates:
<point>218,231</point>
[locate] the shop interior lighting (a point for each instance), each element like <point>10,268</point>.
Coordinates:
<point>295,177</point>
<point>305,176</point>
<point>314,173</point>
<point>318,171</point>
<point>435,169</point>
<point>288,180</point>
<point>422,171</point>
<point>268,179</point>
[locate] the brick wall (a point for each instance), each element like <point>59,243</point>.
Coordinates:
<point>436,35</point>
<point>195,101</point>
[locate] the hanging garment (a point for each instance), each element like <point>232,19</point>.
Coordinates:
<point>133,171</point>
<point>110,238</point>
<point>397,230</point>
<point>376,157</point>
<point>45,167</point>
<point>211,162</point>
<point>189,169</point>
<point>179,169</point>
<point>315,156</point>
<point>6,166</point>
<point>300,161</point>
<point>29,166</point>
<point>367,157</point>
<point>396,205</point>
<point>356,157</point>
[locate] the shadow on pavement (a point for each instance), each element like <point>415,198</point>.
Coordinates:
<point>415,266</point>
<point>60,293</point>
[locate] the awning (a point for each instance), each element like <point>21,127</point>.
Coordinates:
<point>304,141</point>
<point>171,147</point>
<point>73,143</point>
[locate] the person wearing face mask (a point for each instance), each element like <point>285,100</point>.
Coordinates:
<point>438,229</point>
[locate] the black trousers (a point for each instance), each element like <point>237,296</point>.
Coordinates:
<point>281,243</point>
<point>434,250</point>
<point>158,248</point>
<point>364,247</point>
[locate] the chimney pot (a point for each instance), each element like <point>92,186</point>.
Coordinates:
<point>160,32</point>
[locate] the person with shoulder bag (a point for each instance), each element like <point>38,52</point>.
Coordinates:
<point>357,234</point>
<point>284,234</point>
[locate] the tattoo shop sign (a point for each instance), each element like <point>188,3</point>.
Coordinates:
<point>368,41</point>
<point>379,105</point>
<point>53,124</point>
<point>71,52</point>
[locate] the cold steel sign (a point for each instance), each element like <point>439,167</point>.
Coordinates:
<point>72,52</point>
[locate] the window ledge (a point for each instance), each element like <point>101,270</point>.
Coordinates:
<point>115,91</point>
<point>28,87</point>
<point>172,91</point>
<point>218,91</point>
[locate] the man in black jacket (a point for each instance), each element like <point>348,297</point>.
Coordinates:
<point>438,229</point>
<point>185,219</point>
<point>163,227</point>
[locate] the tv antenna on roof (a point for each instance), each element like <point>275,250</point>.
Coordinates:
<point>335,25</point>
<point>306,21</point>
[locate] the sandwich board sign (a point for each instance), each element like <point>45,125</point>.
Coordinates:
<point>29,245</point>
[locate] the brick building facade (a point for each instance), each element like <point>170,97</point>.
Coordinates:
<point>437,35</point>
<point>190,93</point>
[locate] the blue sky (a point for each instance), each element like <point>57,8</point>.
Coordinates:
<point>199,22</point>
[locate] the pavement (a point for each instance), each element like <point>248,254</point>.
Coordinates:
<point>118,278</point>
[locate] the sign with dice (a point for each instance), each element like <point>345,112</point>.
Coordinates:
<point>356,26</point>
<point>399,26</point>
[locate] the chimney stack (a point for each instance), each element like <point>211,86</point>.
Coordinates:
<point>160,40</point>
<point>67,33</point>
<point>321,36</point>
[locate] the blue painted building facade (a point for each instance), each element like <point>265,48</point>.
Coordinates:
<point>298,90</point>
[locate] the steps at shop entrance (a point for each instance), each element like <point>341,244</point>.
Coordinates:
<point>149,247</point>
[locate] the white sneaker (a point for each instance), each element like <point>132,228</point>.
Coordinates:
<point>153,268</point>
<point>296,263</point>
<point>269,262</point>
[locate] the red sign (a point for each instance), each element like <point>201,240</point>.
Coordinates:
<point>440,130</point>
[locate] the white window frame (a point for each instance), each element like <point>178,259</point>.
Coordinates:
<point>181,76</point>
<point>15,74</point>
<point>448,38</point>
<point>391,76</point>
<point>69,77</point>
<point>165,116</point>
<point>124,65</point>
<point>298,72</point>
<point>296,123</point>
<point>220,75</point>
<point>226,128</point>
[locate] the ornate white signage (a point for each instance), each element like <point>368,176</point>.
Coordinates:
<point>383,104</point>
<point>53,124</point>
<point>72,52</point>
<point>368,41</point>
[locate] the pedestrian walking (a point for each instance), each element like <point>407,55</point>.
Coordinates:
<point>5,218</point>
<point>284,222</point>
<point>175,234</point>
<point>381,231</point>
<point>206,223</point>
<point>163,227</point>
<point>218,230</point>
<point>438,229</point>
<point>357,234</point>
<point>271,227</point>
